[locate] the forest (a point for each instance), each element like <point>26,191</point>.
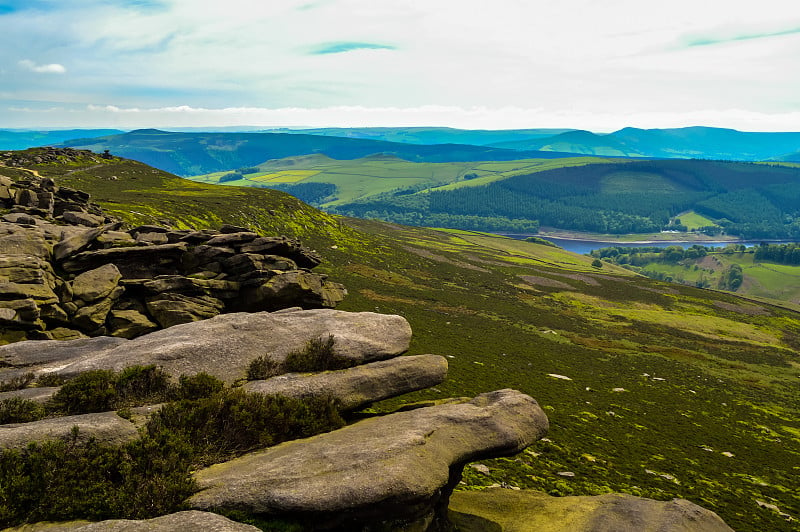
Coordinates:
<point>745,199</point>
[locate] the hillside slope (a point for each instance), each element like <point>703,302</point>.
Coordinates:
<point>608,196</point>
<point>652,389</point>
<point>200,153</point>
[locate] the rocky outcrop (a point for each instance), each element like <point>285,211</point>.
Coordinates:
<point>357,387</point>
<point>188,521</point>
<point>223,346</point>
<point>504,510</point>
<point>65,265</point>
<point>390,471</point>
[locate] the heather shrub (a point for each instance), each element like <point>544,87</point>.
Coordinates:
<point>18,410</point>
<point>16,383</point>
<point>317,355</point>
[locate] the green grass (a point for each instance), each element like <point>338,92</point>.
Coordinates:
<point>692,220</point>
<point>729,365</point>
<point>361,178</point>
<point>778,282</point>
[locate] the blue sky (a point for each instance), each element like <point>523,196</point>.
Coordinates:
<point>461,63</point>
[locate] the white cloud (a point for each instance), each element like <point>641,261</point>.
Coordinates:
<point>572,58</point>
<point>52,68</point>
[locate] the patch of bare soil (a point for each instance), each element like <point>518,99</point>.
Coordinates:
<point>439,258</point>
<point>545,281</point>
<point>750,310</point>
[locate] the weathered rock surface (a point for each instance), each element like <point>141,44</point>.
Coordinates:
<point>188,521</point>
<point>38,395</point>
<point>402,465</point>
<point>106,427</point>
<point>95,284</point>
<point>46,355</point>
<point>357,387</point>
<point>504,510</point>
<point>226,344</point>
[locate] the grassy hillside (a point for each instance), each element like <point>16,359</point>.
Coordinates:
<point>587,194</point>
<point>611,196</point>
<point>760,278</point>
<point>200,153</point>
<point>654,389</point>
<point>380,174</point>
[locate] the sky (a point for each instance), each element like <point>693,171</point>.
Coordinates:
<point>477,64</point>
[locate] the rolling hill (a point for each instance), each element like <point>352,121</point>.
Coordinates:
<point>654,389</point>
<point>685,143</point>
<point>200,153</point>
<point>587,194</point>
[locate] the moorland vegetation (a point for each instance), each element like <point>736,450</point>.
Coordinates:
<point>654,389</point>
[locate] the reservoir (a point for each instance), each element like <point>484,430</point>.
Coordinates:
<point>584,247</point>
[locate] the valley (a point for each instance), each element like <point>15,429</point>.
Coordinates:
<point>652,388</point>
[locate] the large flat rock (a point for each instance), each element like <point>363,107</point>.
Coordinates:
<point>54,354</point>
<point>188,521</point>
<point>504,510</point>
<point>225,345</point>
<point>357,387</point>
<point>399,467</point>
<point>106,427</point>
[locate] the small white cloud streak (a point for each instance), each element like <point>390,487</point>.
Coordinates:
<point>52,68</point>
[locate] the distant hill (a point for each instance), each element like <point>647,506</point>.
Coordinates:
<point>20,139</point>
<point>611,196</point>
<point>201,153</point>
<point>789,157</point>
<point>685,143</point>
<point>431,135</point>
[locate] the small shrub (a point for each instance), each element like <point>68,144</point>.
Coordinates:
<point>17,383</point>
<point>262,368</point>
<point>597,263</point>
<point>62,480</point>
<point>49,379</point>
<point>318,355</point>
<point>198,386</point>
<point>92,391</point>
<point>233,421</point>
<point>141,384</point>
<point>18,410</point>
<point>105,390</point>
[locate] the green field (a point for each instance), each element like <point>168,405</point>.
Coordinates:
<point>693,220</point>
<point>777,282</point>
<point>369,176</point>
